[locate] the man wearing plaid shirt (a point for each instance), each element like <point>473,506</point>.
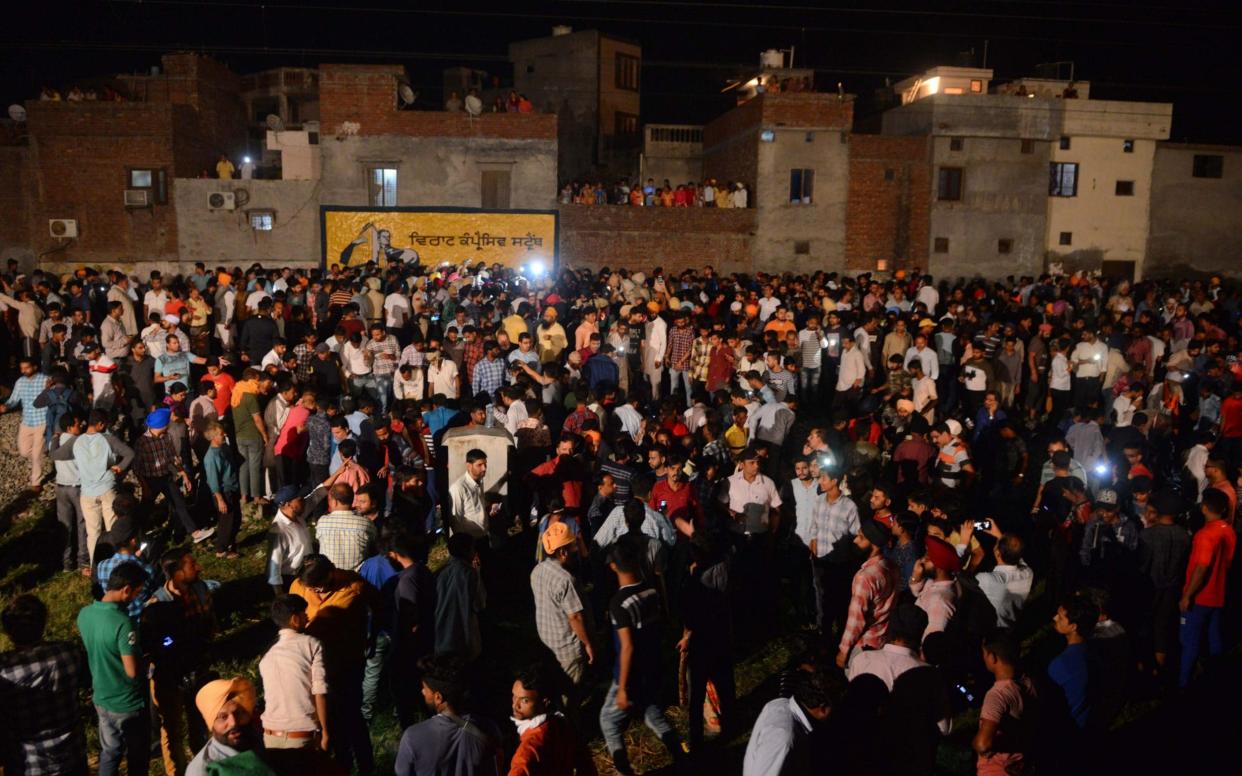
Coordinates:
<point>680,345</point>
<point>156,462</point>
<point>345,538</point>
<point>472,352</point>
<point>384,351</point>
<point>489,373</point>
<point>871,594</point>
<point>834,517</point>
<point>701,354</point>
<point>39,683</point>
<point>34,419</point>
<point>305,351</point>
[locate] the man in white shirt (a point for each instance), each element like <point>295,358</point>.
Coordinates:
<point>928,295</point>
<point>154,300</point>
<point>1008,585</point>
<point>467,513</point>
<point>852,371</point>
<point>396,310</point>
<point>1088,361</point>
<point>442,376</point>
<point>653,348</point>
<point>768,304</point>
<point>295,684</point>
<point>925,355</point>
<point>289,539</point>
<point>753,499</point>
<point>780,740</point>
<point>900,652</point>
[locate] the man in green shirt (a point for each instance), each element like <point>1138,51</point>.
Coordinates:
<point>114,654</point>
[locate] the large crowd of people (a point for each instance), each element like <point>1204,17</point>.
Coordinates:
<point>706,193</point>
<point>909,479</point>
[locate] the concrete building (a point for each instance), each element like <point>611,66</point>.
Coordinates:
<point>1100,178</point>
<point>374,154</point>
<point>1031,173</point>
<point>291,94</point>
<point>792,153</point>
<point>1196,206</point>
<point>592,81</point>
<point>673,152</point>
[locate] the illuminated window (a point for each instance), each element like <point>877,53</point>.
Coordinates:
<point>150,180</point>
<point>262,220</point>
<point>1063,179</point>
<point>976,86</point>
<point>382,186</point>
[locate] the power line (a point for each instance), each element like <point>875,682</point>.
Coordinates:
<point>902,12</point>
<point>700,22</point>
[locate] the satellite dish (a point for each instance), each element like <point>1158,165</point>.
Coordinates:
<point>17,112</point>
<point>406,94</point>
<point>474,106</point>
<point>275,123</point>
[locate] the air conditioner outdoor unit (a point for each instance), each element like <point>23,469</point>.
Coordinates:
<point>222,200</point>
<point>137,198</point>
<point>62,227</point>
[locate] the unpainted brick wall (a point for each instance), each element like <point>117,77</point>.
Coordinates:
<point>888,219</point>
<point>367,96</point>
<point>642,238</point>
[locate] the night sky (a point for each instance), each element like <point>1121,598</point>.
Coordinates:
<point>1158,50</point>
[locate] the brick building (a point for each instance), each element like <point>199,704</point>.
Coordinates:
<point>889,203</point>
<point>81,158</point>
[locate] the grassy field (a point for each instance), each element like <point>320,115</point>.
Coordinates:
<point>29,551</point>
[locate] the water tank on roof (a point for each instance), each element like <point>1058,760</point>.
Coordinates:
<point>772,59</point>
<point>561,29</point>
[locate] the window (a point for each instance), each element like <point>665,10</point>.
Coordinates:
<point>941,245</point>
<point>495,189</point>
<point>1127,146</point>
<point>801,186</point>
<point>1063,179</point>
<point>956,143</point>
<point>1004,245</point>
<point>1065,144</point>
<point>262,220</point>
<point>1125,188</point>
<point>890,174</point>
<point>150,180</point>
<point>1209,166</point>
<point>382,186</point>
<point>1067,238</point>
<point>1028,146</point>
<point>810,137</point>
<point>949,184</point>
<point>976,86</point>
<point>625,130</point>
<point>802,248</point>
<point>627,72</point>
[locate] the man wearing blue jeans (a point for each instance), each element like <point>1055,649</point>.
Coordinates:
<point>1203,597</point>
<point>117,678</point>
<point>635,615</point>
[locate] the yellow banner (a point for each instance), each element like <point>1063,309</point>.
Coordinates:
<point>352,237</point>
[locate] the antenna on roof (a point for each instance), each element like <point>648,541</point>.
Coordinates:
<point>17,112</point>
<point>275,123</point>
<point>406,94</point>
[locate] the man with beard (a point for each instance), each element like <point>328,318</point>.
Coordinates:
<point>227,706</point>
<point>453,740</point>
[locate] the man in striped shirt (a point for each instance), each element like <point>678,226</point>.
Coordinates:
<point>34,419</point>
<point>871,594</point>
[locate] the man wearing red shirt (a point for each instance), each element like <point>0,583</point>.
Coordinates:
<point>1203,597</point>
<point>720,367</point>
<point>1231,426</point>
<point>675,499</point>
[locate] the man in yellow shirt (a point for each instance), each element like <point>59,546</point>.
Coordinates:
<point>224,168</point>
<point>338,606</point>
